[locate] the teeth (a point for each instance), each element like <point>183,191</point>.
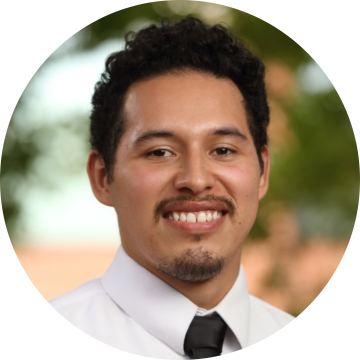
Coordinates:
<point>202,216</point>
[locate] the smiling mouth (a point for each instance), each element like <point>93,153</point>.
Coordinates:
<point>194,217</point>
<point>187,214</point>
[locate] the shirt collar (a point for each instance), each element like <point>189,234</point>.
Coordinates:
<point>163,311</point>
<point>234,309</point>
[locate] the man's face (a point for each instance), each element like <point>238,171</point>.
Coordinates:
<point>187,178</point>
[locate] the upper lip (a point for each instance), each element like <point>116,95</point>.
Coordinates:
<point>189,206</point>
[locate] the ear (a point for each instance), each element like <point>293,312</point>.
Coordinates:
<point>264,179</point>
<point>96,171</point>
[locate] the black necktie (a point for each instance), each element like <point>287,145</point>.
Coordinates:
<point>205,336</point>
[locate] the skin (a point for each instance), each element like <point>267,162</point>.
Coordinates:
<point>196,160</point>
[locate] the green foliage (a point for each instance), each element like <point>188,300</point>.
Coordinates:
<point>116,24</point>
<point>18,155</point>
<point>27,151</point>
<point>318,177</point>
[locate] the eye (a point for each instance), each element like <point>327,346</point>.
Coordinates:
<point>159,153</point>
<point>223,151</point>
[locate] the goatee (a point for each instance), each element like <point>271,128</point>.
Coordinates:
<point>193,266</point>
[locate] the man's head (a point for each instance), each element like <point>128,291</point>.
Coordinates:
<point>173,48</point>
<point>179,147</point>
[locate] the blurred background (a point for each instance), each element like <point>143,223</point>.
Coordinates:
<point>64,237</point>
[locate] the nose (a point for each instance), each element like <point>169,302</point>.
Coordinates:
<point>195,175</point>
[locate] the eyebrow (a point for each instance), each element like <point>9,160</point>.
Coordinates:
<point>156,134</point>
<point>151,134</point>
<point>230,131</point>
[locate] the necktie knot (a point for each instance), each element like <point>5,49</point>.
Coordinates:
<point>205,336</point>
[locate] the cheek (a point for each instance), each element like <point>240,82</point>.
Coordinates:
<point>143,186</point>
<point>242,183</point>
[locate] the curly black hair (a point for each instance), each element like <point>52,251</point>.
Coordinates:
<point>188,44</point>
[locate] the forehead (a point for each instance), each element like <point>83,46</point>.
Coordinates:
<point>189,102</point>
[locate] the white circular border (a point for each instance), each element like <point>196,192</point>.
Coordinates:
<point>31,31</point>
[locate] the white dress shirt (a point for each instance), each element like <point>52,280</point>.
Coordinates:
<point>133,310</point>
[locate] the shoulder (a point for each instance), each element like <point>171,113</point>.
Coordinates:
<point>262,310</point>
<point>91,309</point>
<point>83,293</point>
<point>265,319</point>
<point>87,303</point>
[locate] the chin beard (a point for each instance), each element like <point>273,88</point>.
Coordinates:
<point>194,266</point>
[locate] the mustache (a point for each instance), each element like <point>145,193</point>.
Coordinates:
<point>159,207</point>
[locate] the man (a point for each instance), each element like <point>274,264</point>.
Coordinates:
<point>178,132</point>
